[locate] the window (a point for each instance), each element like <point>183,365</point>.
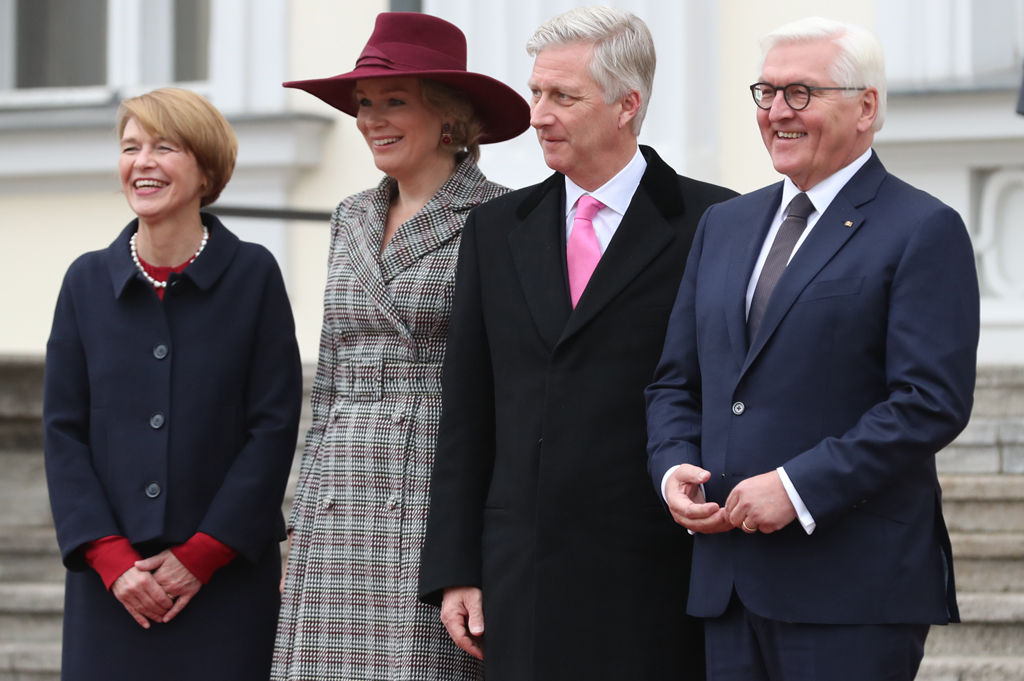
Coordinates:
<point>114,43</point>
<point>61,43</point>
<point>191,40</point>
<point>406,5</point>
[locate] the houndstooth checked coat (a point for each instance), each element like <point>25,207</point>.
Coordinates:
<point>350,609</point>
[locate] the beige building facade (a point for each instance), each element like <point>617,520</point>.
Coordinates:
<point>954,66</point>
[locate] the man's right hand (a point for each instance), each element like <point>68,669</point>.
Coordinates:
<point>462,613</point>
<point>685,500</point>
<point>142,596</point>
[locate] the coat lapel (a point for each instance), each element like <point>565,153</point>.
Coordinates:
<point>745,249</point>
<point>365,233</point>
<point>436,224</point>
<point>536,247</point>
<point>643,233</point>
<point>833,229</point>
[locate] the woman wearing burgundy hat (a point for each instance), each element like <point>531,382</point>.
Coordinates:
<point>350,607</point>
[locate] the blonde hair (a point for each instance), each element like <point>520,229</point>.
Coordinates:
<point>623,57</point>
<point>467,128</point>
<point>188,119</point>
<point>860,62</point>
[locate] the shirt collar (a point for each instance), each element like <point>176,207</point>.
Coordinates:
<point>822,194</point>
<point>616,193</point>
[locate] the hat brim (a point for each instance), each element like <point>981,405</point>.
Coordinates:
<point>504,113</point>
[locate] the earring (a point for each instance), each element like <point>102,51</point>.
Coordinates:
<point>446,134</point>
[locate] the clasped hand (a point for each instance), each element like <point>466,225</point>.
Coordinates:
<point>157,589</point>
<point>761,502</point>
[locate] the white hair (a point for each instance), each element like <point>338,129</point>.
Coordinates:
<point>623,56</point>
<point>860,62</point>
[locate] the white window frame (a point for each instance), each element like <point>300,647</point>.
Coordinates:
<point>247,37</point>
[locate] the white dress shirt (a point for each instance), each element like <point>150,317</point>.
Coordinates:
<point>616,194</point>
<point>821,196</point>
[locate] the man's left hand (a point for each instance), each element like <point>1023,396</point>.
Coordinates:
<point>762,503</point>
<point>174,578</point>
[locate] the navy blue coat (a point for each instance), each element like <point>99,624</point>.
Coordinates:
<point>163,419</point>
<point>862,369</point>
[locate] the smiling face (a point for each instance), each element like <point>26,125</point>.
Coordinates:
<point>581,136</point>
<point>401,129</point>
<point>160,179</point>
<point>810,145</point>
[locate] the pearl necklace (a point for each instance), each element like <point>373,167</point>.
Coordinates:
<point>151,280</point>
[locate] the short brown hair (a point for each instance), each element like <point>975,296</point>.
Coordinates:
<point>467,128</point>
<point>188,119</point>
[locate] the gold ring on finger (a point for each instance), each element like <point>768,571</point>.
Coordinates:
<point>748,530</point>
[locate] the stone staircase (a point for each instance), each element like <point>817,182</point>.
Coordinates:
<point>983,498</point>
<point>31,574</point>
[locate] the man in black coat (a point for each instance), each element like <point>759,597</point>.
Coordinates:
<point>542,517</point>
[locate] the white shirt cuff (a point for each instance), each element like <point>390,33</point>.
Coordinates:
<point>802,514</point>
<point>664,487</point>
<point>664,483</point>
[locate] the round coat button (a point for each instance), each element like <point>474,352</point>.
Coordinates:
<point>156,420</point>
<point>160,351</point>
<point>738,408</point>
<point>152,490</point>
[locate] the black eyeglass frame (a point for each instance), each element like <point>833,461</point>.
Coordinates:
<point>786,90</point>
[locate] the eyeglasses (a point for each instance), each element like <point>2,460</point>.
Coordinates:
<point>797,95</point>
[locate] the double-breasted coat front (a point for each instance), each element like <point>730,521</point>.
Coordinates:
<point>350,609</point>
<point>163,419</point>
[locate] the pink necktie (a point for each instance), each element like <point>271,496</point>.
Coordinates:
<point>582,252</point>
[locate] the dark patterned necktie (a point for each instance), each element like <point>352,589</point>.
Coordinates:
<point>778,257</point>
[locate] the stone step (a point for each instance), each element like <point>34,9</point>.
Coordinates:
<point>987,445</point>
<point>31,612</point>
<point>29,554</point>
<point>971,668</point>
<point>21,402</point>
<point>983,503</point>
<point>989,562</point>
<point>24,499</point>
<point>29,661</point>
<point>993,625</point>
<point>999,392</point>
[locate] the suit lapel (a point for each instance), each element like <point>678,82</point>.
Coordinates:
<point>643,233</point>
<point>835,227</point>
<point>536,247</point>
<point>745,249</point>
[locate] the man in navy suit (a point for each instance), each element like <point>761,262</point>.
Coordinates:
<point>821,350</point>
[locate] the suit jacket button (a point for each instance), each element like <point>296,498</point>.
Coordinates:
<point>152,490</point>
<point>160,351</point>
<point>738,408</point>
<point>156,420</point>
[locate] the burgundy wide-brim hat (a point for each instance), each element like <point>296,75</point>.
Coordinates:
<point>410,44</point>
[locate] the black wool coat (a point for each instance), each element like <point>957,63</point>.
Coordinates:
<point>540,493</point>
<point>163,419</point>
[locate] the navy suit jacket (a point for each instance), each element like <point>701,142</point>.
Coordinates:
<point>862,369</point>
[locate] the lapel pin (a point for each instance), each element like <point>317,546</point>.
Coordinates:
<point>849,224</point>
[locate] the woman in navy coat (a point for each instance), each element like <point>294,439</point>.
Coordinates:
<point>171,407</point>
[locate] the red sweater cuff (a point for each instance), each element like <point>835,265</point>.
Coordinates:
<point>111,557</point>
<point>202,555</point>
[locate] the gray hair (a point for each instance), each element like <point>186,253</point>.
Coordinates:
<point>860,62</point>
<point>623,58</point>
